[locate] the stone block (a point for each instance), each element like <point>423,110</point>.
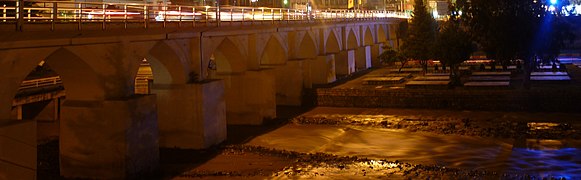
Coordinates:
<point>289,83</point>
<point>345,62</point>
<point>376,50</point>
<point>191,116</point>
<point>363,58</point>
<point>250,96</point>
<point>323,69</point>
<point>18,149</point>
<point>111,139</point>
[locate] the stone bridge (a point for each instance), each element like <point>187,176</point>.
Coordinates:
<point>204,79</point>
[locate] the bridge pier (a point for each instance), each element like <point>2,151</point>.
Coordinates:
<point>250,96</point>
<point>363,58</point>
<point>18,149</point>
<point>290,80</point>
<point>323,69</point>
<point>191,116</point>
<point>345,62</point>
<point>376,50</point>
<point>110,139</point>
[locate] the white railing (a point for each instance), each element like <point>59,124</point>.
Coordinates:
<point>104,14</point>
<point>41,82</point>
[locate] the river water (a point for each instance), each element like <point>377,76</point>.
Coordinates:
<point>540,158</point>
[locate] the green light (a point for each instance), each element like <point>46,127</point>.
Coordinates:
<point>285,2</point>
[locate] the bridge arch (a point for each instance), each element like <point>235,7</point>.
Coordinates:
<point>274,52</point>
<point>368,37</point>
<point>228,58</point>
<point>381,34</point>
<point>307,47</point>
<point>332,44</point>
<point>351,40</point>
<point>167,66</point>
<point>80,80</point>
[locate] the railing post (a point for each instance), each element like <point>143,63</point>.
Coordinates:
<point>287,16</point>
<point>54,15</point>
<point>252,16</point>
<point>104,16</point>
<point>243,17</point>
<point>4,13</point>
<point>206,16</point>
<point>80,25</point>
<point>180,14</point>
<point>164,8</point>
<point>231,16</point>
<point>19,13</point>
<point>272,15</point>
<point>125,16</point>
<point>193,17</point>
<point>145,16</point>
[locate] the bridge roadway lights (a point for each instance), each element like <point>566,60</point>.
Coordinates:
<point>110,139</point>
<point>191,116</point>
<point>17,149</point>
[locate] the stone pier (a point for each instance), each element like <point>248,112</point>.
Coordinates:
<point>111,139</point>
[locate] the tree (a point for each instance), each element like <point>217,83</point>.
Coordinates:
<point>390,55</point>
<point>420,35</point>
<point>453,46</point>
<point>506,30</point>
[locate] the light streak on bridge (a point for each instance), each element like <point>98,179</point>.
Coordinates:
<point>82,13</point>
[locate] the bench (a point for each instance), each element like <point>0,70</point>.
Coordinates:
<point>383,80</point>
<point>550,78</point>
<point>432,78</point>
<point>487,84</point>
<point>427,84</point>
<point>549,74</point>
<point>491,74</point>
<point>406,75</point>
<point>407,70</point>
<point>489,78</point>
<point>437,74</point>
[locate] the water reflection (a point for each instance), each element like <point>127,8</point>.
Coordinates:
<point>542,158</point>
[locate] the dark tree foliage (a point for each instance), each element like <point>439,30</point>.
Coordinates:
<point>390,55</point>
<point>504,28</point>
<point>420,35</point>
<point>453,46</point>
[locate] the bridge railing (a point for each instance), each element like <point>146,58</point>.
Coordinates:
<point>103,14</point>
<point>41,82</point>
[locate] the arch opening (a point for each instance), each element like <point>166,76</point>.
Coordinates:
<point>52,81</point>
<point>273,53</point>
<point>352,40</point>
<point>368,37</point>
<point>307,48</point>
<point>226,59</point>
<point>381,34</point>
<point>332,45</point>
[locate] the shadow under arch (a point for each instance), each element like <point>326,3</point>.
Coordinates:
<point>332,44</point>
<point>381,34</point>
<point>368,39</point>
<point>166,65</point>
<point>229,58</point>
<point>307,47</point>
<point>80,80</point>
<point>352,40</point>
<point>273,53</point>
